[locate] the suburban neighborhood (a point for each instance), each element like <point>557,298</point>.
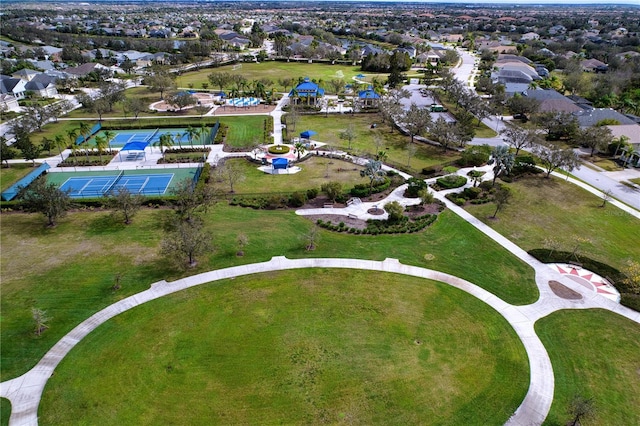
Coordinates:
<point>319,212</point>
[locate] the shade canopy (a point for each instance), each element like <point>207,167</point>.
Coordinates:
<point>135,146</point>
<point>307,134</point>
<point>280,163</point>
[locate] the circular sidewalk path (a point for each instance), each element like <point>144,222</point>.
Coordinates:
<point>25,391</point>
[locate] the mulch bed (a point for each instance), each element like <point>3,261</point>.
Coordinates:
<point>563,291</point>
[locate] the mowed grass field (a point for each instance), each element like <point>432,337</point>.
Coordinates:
<point>245,131</point>
<point>297,347</point>
<point>68,271</point>
<point>543,209</point>
<point>276,70</point>
<point>595,354</point>
<point>313,170</point>
<point>393,142</point>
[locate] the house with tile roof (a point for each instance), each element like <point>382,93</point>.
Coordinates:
<point>587,118</point>
<point>552,101</point>
<point>12,86</point>
<point>42,85</point>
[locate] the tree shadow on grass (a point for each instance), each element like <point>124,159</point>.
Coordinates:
<point>106,224</point>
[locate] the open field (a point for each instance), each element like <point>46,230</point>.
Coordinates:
<point>543,209</point>
<point>276,70</point>
<point>394,143</point>
<point>10,175</point>
<point>313,174</point>
<point>245,131</point>
<point>595,354</point>
<point>68,270</point>
<point>307,346</point>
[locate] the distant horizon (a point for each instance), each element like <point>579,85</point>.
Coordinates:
<point>603,3</point>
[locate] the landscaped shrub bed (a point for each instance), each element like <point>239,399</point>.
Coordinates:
<point>80,159</point>
<point>222,133</point>
<point>363,189</point>
<point>475,156</point>
<point>616,277</point>
<point>375,227</point>
<point>449,182</point>
<point>184,155</point>
<point>275,201</point>
<point>480,194</point>
<point>279,149</point>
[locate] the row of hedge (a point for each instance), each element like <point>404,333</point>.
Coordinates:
<point>376,227</point>
<point>616,277</point>
<point>275,201</point>
<point>363,190</point>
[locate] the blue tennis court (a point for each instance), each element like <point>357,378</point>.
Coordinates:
<point>98,186</point>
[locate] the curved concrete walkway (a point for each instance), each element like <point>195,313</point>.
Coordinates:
<point>25,391</point>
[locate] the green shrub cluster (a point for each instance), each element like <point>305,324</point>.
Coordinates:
<point>80,159</point>
<point>627,297</point>
<point>186,150</point>
<point>275,201</point>
<point>222,133</point>
<point>449,182</point>
<point>481,194</point>
<point>362,189</point>
<point>414,187</point>
<point>475,156</point>
<point>376,227</point>
<point>279,149</point>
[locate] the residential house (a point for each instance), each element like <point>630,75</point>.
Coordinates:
<point>25,74</point>
<point>530,36</point>
<point>515,72</point>
<point>85,69</point>
<point>42,85</point>
<point>8,102</point>
<point>592,117</point>
<point>592,65</point>
<point>12,86</point>
<point>551,100</point>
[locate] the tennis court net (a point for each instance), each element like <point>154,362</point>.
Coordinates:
<point>110,187</point>
<point>153,135</point>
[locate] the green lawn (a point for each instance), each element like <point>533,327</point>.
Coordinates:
<point>279,70</point>
<point>68,270</point>
<point>309,346</point>
<point>245,131</point>
<point>543,209</point>
<point>313,174</point>
<point>595,354</point>
<point>394,143</point>
<point>5,411</point>
<point>10,175</point>
<point>636,181</point>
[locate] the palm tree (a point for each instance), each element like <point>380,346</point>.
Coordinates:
<point>60,143</point>
<point>165,141</point>
<point>109,135</point>
<point>101,143</point>
<point>85,130</point>
<point>300,149</point>
<point>190,133</point>
<point>502,161</point>
<point>72,135</point>
<point>373,170</point>
<point>202,134</point>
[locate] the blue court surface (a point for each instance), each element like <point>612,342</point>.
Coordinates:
<point>98,186</point>
<point>123,137</point>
